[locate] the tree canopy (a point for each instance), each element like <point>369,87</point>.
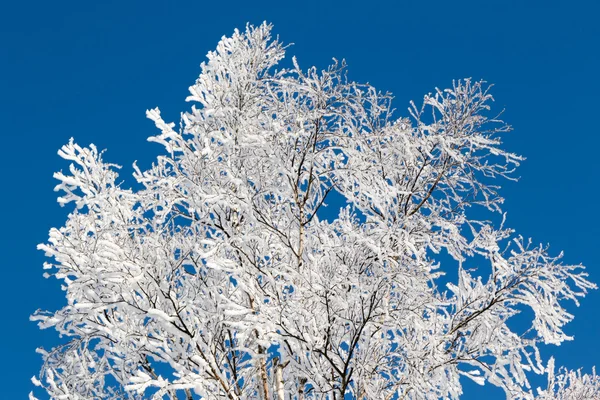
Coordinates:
<point>229,274</point>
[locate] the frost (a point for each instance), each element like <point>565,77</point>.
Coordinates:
<point>222,277</point>
<point>159,314</point>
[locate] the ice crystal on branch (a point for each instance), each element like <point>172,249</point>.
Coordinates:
<point>226,277</point>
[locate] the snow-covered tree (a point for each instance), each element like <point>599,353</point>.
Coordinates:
<point>570,385</point>
<point>230,275</point>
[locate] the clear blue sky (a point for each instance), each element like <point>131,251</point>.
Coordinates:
<point>91,69</point>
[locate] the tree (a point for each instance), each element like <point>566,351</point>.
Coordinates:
<point>225,276</point>
<point>570,385</point>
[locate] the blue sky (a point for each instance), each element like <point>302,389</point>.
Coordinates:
<point>89,70</point>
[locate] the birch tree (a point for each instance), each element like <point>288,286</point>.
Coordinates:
<point>229,274</point>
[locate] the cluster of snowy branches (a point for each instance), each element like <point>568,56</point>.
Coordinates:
<point>226,276</point>
<point>570,385</point>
